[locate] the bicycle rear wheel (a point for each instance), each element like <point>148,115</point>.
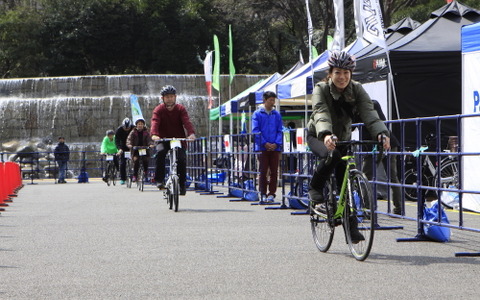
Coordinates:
<point>359,213</point>
<point>323,225</point>
<point>140,178</point>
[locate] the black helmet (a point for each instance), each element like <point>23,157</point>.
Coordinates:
<point>342,60</point>
<point>126,123</point>
<point>110,132</point>
<point>140,119</point>
<point>168,89</point>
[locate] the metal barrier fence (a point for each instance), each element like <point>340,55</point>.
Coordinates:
<point>230,162</point>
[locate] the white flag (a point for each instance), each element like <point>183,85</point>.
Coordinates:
<point>358,19</point>
<point>339,36</point>
<point>207,67</point>
<point>372,22</point>
<point>310,30</point>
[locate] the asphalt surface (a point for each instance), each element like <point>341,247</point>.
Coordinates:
<point>90,241</point>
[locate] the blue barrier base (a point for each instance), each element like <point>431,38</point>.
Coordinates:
<point>265,203</point>
<point>418,238</point>
<point>240,200</point>
<point>378,227</point>
<point>303,212</point>
<point>210,193</point>
<point>283,206</point>
<point>460,254</point>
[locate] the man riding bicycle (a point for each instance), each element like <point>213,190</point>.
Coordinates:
<point>171,120</point>
<point>121,141</point>
<point>336,101</point>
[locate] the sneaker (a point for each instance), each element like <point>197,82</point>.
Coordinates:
<point>183,190</point>
<point>270,199</point>
<point>263,199</point>
<point>397,211</point>
<point>160,185</point>
<point>122,182</point>
<point>134,178</point>
<point>354,232</point>
<point>316,196</point>
<point>104,179</point>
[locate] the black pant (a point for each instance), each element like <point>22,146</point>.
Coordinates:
<point>181,165</point>
<point>323,170</point>
<point>123,166</point>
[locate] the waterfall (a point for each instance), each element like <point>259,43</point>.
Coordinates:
<point>82,108</point>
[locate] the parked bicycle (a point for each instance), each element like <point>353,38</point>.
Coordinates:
<point>110,170</point>
<point>354,204</point>
<point>448,168</point>
<point>172,185</point>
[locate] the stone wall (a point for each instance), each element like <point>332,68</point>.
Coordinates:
<point>83,108</point>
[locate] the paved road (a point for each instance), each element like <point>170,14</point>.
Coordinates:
<point>90,241</point>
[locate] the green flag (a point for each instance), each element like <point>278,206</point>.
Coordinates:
<point>314,52</point>
<point>216,65</point>
<point>230,54</point>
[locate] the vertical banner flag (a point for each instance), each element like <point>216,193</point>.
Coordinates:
<point>372,21</point>
<point>207,67</point>
<point>136,110</point>
<point>310,30</point>
<point>216,65</point>
<point>339,35</point>
<point>230,54</point>
<point>358,19</point>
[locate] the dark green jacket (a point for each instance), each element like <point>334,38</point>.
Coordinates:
<point>333,111</point>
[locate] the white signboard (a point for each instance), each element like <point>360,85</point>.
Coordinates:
<point>471,125</point>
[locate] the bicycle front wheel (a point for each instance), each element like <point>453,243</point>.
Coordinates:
<point>108,173</point>
<point>358,218</point>
<point>129,171</point>
<point>113,174</point>
<point>448,175</point>
<point>322,224</point>
<point>175,191</point>
<point>140,178</point>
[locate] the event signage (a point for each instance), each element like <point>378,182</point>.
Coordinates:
<point>470,138</point>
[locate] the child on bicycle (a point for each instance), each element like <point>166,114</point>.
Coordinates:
<point>336,101</point>
<point>139,137</point>
<point>109,148</point>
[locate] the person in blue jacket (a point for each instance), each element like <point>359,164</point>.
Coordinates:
<point>267,127</point>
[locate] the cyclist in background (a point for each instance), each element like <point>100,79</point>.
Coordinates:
<point>139,136</point>
<point>121,141</point>
<point>336,101</point>
<point>171,120</point>
<point>109,148</point>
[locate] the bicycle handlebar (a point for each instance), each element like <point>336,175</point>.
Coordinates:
<point>173,139</point>
<point>357,142</point>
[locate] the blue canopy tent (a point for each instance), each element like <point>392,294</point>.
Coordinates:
<point>231,106</point>
<point>284,87</point>
<point>244,98</point>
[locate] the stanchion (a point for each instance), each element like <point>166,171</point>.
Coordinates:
<point>3,188</point>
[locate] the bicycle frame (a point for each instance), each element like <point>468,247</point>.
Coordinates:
<point>350,159</point>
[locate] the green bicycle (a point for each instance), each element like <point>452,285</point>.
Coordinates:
<point>354,206</point>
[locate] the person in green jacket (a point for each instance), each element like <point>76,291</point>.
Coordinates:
<point>109,148</point>
<point>336,101</point>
